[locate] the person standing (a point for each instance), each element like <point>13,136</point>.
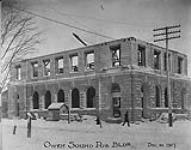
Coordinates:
<point>98,121</point>
<point>29,118</point>
<point>126,119</point>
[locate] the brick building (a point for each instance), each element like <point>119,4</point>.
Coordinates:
<point>108,78</point>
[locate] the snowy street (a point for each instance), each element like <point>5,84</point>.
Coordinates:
<point>88,135</point>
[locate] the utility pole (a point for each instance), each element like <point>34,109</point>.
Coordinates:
<point>166,31</point>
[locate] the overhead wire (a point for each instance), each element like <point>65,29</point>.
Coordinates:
<point>75,21</point>
<point>104,20</point>
<point>72,16</point>
<point>63,23</point>
<point>114,21</point>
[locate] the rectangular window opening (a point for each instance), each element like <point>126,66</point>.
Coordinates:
<point>141,56</point>
<point>165,62</point>
<point>74,63</point>
<point>46,67</point>
<point>180,65</point>
<point>90,63</point>
<point>59,65</point>
<point>116,55</point>
<point>156,59</point>
<point>18,72</point>
<point>35,69</point>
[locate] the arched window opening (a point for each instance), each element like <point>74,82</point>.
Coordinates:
<point>142,98</point>
<point>144,94</point>
<point>90,95</point>
<point>183,98</point>
<point>35,100</point>
<point>17,105</point>
<point>60,96</point>
<point>166,97</point>
<point>47,99</point>
<point>75,98</point>
<point>116,99</point>
<point>157,96</point>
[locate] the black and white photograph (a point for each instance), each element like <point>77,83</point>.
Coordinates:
<point>95,75</point>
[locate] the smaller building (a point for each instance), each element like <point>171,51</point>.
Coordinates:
<point>54,111</point>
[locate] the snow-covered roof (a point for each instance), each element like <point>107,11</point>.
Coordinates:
<point>56,105</point>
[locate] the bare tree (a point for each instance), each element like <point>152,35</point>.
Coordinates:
<point>19,36</point>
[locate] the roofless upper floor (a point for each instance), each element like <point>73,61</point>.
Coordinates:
<point>101,57</point>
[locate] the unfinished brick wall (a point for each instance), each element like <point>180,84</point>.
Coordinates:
<point>131,78</point>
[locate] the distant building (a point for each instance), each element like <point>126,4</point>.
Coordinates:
<point>108,78</point>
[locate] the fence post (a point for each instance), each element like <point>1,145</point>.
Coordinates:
<point>29,125</point>
<point>14,129</point>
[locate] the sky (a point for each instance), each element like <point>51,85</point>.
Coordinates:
<point>114,19</point>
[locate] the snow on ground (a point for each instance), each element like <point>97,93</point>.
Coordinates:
<point>61,135</point>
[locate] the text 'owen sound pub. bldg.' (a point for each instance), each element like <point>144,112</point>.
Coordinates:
<point>106,79</point>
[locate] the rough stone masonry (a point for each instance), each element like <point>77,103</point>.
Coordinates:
<point>105,79</point>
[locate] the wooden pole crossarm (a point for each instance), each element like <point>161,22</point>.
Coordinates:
<point>174,37</point>
<point>169,38</point>
<point>168,27</point>
<point>157,40</point>
<point>172,32</point>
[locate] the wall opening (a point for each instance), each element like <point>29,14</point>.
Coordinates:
<point>156,59</point>
<point>74,63</point>
<point>144,100</point>
<point>89,60</point>
<point>60,96</point>
<point>18,72</point>
<point>166,97</point>
<point>183,98</point>
<point>157,96</point>
<point>75,98</point>
<point>116,55</point>
<point>180,65</point>
<point>35,69</point>
<point>59,65</point>
<point>46,64</point>
<point>165,62</point>
<point>141,56</point>
<point>116,100</point>
<point>35,100</point>
<point>47,99</point>
<point>90,95</point>
<point>17,106</point>
<point>115,87</point>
